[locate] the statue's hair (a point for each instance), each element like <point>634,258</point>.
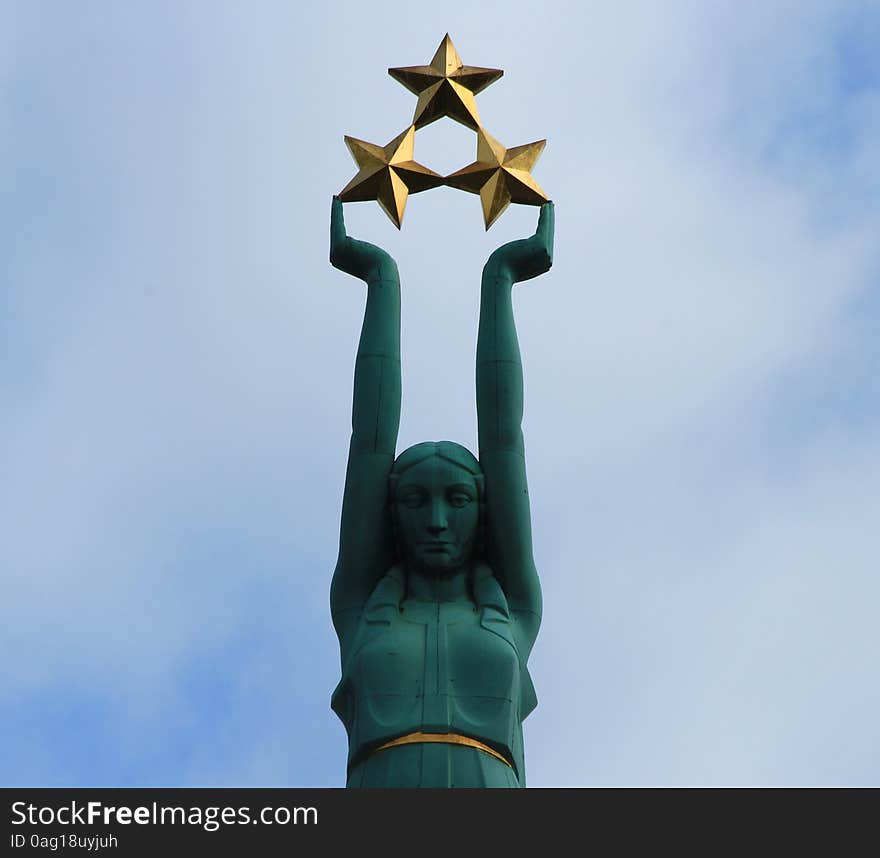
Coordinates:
<point>449,451</point>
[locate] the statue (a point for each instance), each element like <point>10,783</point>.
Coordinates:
<point>435,596</point>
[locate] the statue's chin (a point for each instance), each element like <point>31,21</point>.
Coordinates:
<point>438,565</point>
<point>441,570</point>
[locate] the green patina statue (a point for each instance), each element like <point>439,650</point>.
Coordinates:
<point>435,596</point>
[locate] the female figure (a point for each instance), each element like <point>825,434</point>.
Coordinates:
<point>435,597</point>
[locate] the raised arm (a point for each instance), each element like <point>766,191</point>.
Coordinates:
<point>499,417</point>
<point>365,542</point>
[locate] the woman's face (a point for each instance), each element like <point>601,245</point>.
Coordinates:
<point>437,511</point>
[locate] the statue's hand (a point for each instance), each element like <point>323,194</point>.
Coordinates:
<point>358,258</point>
<point>528,257</point>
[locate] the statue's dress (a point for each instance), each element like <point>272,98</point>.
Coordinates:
<point>435,667</point>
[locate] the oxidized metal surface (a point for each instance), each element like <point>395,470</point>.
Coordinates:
<point>435,596</point>
<point>501,176</point>
<point>388,174</point>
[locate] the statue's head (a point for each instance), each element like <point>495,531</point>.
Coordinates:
<point>436,494</point>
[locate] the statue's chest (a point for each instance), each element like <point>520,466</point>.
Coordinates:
<point>437,649</point>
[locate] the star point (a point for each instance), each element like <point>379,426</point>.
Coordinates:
<point>500,176</point>
<point>388,174</point>
<point>446,87</point>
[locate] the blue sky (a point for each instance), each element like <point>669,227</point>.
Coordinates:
<point>702,403</point>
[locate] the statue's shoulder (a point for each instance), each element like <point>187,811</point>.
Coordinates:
<point>488,593</point>
<point>386,596</point>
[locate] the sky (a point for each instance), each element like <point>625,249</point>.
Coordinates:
<point>702,404</point>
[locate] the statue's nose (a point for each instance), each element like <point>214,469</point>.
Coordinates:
<point>437,522</point>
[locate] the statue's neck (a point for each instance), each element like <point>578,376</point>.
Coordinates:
<point>438,587</point>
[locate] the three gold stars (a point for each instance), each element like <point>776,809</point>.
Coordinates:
<point>446,87</point>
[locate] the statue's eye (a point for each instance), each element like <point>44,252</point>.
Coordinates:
<point>412,500</point>
<point>459,499</point>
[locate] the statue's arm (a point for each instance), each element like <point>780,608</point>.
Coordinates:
<point>499,416</point>
<point>365,542</point>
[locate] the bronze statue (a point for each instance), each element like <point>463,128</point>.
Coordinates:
<point>435,596</point>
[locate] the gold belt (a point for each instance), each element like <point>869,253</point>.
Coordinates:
<point>444,738</point>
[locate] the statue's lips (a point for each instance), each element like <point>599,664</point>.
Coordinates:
<point>435,547</point>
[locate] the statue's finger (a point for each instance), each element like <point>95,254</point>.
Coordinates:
<point>546,224</point>
<point>337,222</point>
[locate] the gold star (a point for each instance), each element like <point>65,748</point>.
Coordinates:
<point>388,174</point>
<point>500,176</point>
<point>446,87</point>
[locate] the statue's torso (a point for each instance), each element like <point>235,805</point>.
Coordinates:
<point>438,670</point>
<point>433,667</point>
